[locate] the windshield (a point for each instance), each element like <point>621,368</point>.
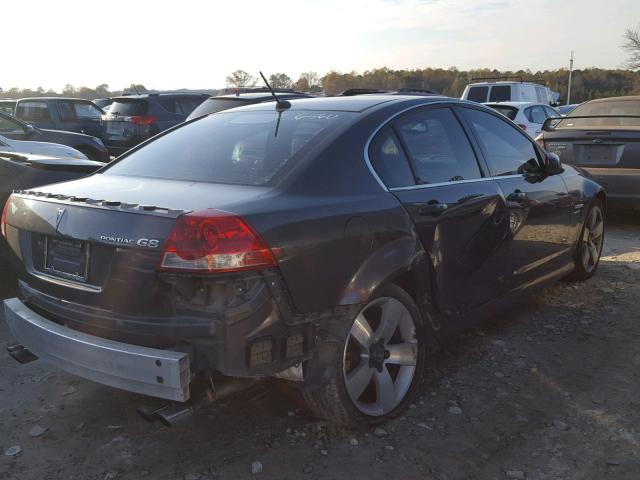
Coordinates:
<point>507,111</point>
<point>246,148</point>
<point>612,109</point>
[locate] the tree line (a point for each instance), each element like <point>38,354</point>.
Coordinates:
<point>587,83</point>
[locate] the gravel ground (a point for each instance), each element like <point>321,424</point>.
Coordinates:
<point>548,390</point>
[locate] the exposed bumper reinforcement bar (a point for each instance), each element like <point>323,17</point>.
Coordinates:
<point>149,371</point>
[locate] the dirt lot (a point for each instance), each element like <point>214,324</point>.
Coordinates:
<point>549,390</point>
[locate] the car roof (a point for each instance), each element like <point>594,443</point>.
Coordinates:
<point>55,98</point>
<point>260,95</point>
<point>358,103</point>
<point>516,104</point>
<point>629,98</point>
<point>145,96</point>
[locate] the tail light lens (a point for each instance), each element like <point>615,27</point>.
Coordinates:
<point>522,126</point>
<point>211,241</point>
<point>142,120</point>
<point>3,219</point>
<point>540,141</point>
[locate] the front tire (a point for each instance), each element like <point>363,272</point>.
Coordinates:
<point>589,246</point>
<point>379,365</point>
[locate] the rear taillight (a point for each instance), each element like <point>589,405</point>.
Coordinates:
<point>540,141</point>
<point>3,219</point>
<point>522,126</point>
<point>142,120</point>
<point>211,241</point>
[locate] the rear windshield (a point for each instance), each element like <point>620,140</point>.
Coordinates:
<point>478,94</point>
<point>614,109</point>
<point>246,147</point>
<point>128,107</point>
<point>215,105</point>
<point>506,110</point>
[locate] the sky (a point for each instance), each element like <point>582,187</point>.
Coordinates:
<point>197,43</point>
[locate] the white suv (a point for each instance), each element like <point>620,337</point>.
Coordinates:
<point>528,116</point>
<point>508,91</point>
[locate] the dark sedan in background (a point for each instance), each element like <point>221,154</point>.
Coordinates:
<point>92,147</point>
<point>330,242</point>
<point>603,137</point>
<point>259,95</point>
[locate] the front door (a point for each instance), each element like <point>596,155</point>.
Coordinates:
<point>540,210</point>
<point>429,164</point>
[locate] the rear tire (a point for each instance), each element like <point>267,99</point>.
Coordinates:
<point>589,246</point>
<point>379,366</point>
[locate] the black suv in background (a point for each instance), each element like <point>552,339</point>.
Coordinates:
<point>135,118</point>
<point>259,95</point>
<point>59,113</point>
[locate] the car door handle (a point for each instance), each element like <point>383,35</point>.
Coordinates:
<point>433,208</point>
<point>517,196</point>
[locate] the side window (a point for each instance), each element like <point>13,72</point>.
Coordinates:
<point>67,113</point>
<point>508,151</point>
<point>168,104</point>
<point>185,106</point>
<point>87,111</point>
<point>537,114</point>
<point>33,111</point>
<point>389,160</point>
<point>478,94</point>
<point>438,148</point>
<point>500,93</point>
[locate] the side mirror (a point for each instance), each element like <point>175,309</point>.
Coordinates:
<point>31,130</point>
<point>550,123</point>
<point>552,164</point>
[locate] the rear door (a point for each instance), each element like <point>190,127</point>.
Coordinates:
<point>429,164</point>
<point>539,208</point>
<point>536,116</point>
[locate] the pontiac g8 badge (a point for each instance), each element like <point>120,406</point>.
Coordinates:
<point>141,242</point>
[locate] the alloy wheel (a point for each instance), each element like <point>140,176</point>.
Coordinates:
<point>380,356</point>
<point>592,239</point>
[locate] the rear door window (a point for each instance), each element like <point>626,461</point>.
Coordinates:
<point>33,111</point>
<point>67,112</point>
<point>507,150</point>
<point>537,114</point>
<point>478,94</point>
<point>389,160</point>
<point>500,93</point>
<point>438,148</point>
<point>246,148</point>
<point>128,107</point>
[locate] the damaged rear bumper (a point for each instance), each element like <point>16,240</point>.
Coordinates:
<point>149,371</point>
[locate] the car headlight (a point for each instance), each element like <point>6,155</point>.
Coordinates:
<point>98,141</point>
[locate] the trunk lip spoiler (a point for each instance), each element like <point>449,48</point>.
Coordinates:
<point>546,126</point>
<point>65,199</point>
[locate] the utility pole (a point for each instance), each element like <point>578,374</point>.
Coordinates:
<point>570,75</point>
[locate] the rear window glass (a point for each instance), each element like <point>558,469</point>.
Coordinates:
<point>500,93</point>
<point>214,105</point>
<point>612,109</point>
<point>507,111</point>
<point>478,94</point>
<point>247,148</point>
<point>128,107</point>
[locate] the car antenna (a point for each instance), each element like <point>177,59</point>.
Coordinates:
<point>281,105</point>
